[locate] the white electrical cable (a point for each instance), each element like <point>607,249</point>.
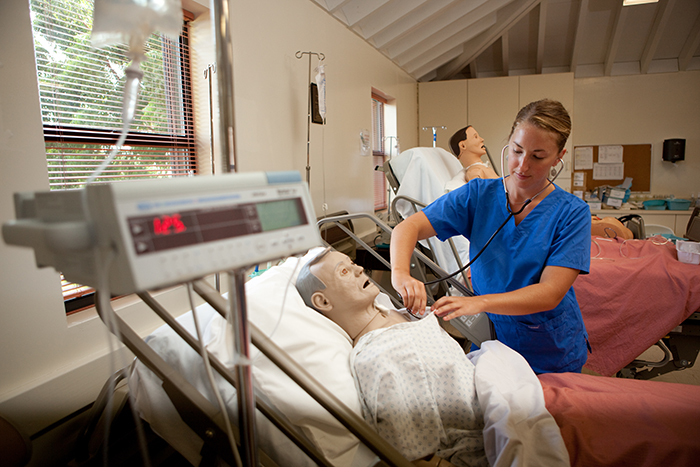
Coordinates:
<point>210,376</point>
<point>109,318</point>
<point>105,306</point>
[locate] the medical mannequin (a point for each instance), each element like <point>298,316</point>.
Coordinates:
<point>468,147</point>
<point>334,286</point>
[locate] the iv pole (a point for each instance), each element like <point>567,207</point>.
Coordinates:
<point>299,55</point>
<point>435,129</point>
<point>388,190</point>
<point>237,307</point>
<point>208,71</point>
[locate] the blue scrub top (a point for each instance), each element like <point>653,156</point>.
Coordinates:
<point>557,232</point>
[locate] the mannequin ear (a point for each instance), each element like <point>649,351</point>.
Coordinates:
<point>321,303</point>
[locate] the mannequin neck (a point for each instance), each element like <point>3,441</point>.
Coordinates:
<point>469,158</point>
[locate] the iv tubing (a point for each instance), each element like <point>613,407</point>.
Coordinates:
<point>134,74</point>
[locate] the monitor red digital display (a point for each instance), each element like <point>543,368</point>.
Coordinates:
<point>160,232</point>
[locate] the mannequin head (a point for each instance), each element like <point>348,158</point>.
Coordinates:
<point>467,145</point>
<point>333,285</point>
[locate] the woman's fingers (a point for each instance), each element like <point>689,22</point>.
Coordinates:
<point>412,293</point>
<point>452,307</point>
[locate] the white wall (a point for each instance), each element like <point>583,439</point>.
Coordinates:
<point>645,109</point>
<point>52,366</point>
<point>639,109</point>
<point>271,113</point>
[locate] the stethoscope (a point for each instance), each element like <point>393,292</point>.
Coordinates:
<point>510,214</point>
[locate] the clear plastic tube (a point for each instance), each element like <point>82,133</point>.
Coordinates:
<point>134,75</point>
<point>131,94</point>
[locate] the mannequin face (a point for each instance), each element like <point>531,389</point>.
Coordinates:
<point>474,144</point>
<point>348,290</point>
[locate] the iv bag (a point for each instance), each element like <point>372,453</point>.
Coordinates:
<point>321,83</point>
<point>132,21</point>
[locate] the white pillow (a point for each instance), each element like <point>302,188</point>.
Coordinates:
<point>315,342</point>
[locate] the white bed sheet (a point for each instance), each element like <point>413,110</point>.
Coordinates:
<point>518,429</point>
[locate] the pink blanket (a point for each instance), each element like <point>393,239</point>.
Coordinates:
<point>623,422</point>
<point>636,292</point>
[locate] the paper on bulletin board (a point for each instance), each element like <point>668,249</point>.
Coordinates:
<point>610,154</point>
<point>579,179</point>
<point>583,158</point>
<point>608,171</point>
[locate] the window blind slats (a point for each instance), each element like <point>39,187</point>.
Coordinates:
<point>80,90</point>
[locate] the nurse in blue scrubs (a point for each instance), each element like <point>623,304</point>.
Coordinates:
<point>524,278</point>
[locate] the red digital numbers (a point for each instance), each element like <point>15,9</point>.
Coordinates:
<point>167,225</point>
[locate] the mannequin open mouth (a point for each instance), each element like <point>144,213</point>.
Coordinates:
<point>366,284</point>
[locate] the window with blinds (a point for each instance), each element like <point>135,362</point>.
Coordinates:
<point>380,195</point>
<point>80,90</point>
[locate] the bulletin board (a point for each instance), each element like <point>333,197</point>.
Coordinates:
<point>637,165</point>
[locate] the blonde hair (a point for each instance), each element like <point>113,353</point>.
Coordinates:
<point>549,115</point>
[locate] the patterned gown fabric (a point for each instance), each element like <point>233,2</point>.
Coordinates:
<point>418,392</point>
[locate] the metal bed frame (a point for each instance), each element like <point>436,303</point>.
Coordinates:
<point>205,419</point>
<point>680,349</point>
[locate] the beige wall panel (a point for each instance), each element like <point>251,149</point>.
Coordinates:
<point>492,106</point>
<point>442,103</point>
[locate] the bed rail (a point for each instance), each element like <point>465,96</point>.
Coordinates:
<point>476,328</point>
<point>417,206</point>
<point>205,419</point>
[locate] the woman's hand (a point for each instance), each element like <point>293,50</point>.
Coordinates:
<point>403,241</point>
<point>452,307</point>
<point>412,292</point>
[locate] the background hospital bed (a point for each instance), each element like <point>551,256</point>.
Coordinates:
<point>637,294</point>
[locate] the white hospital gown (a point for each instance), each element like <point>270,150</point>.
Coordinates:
<point>417,391</point>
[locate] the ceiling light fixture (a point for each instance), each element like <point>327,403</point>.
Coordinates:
<point>637,2</point>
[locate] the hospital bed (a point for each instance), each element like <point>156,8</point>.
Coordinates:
<point>638,295</point>
<point>303,382</point>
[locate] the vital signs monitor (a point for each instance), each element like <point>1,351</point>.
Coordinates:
<point>155,233</point>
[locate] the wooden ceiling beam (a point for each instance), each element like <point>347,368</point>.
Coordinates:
<point>541,29</point>
<point>508,17</point>
<point>662,14</point>
<point>620,17</point>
